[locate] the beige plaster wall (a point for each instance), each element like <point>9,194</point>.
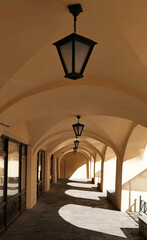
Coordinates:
<point>134,174</point>
<point>18,132</point>
<point>109,174</point>
<point>74,166</point>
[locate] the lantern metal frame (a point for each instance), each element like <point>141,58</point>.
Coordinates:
<point>75,10</point>
<point>76,143</point>
<point>77,126</point>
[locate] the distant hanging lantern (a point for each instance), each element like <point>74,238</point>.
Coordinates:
<point>74,150</point>
<point>74,50</point>
<point>76,143</point>
<point>78,127</point>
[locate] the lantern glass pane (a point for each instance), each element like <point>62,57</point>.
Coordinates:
<point>76,129</point>
<point>81,51</point>
<point>76,143</point>
<point>66,51</point>
<point>80,129</point>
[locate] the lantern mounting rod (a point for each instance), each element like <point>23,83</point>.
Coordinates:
<point>75,10</point>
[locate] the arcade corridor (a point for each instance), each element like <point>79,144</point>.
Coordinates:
<point>73,210</point>
<point>54,128</point>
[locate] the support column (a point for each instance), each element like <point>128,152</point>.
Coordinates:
<point>54,170</point>
<point>64,168</point>
<point>31,193</point>
<point>87,168</point>
<point>90,167</point>
<point>102,174</point>
<point>118,182</point>
<point>59,158</point>
<point>94,170</point>
<point>47,172</point>
<point>102,167</point>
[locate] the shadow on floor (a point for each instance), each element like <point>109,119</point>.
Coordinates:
<point>58,216</point>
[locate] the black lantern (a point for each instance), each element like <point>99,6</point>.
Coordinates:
<point>74,50</point>
<point>78,127</point>
<point>76,143</point>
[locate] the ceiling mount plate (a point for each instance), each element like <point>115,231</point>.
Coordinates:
<point>75,9</point>
<point>78,116</point>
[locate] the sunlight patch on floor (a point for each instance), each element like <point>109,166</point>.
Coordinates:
<point>81,185</point>
<point>85,194</point>
<point>79,179</point>
<point>97,219</point>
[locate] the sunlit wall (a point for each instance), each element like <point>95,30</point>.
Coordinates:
<point>109,170</point>
<point>134,177</point>
<point>74,166</point>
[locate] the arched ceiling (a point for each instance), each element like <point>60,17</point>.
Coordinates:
<point>84,152</point>
<point>87,151</point>
<point>98,130</point>
<point>111,96</point>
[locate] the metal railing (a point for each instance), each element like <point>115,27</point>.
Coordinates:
<point>142,206</point>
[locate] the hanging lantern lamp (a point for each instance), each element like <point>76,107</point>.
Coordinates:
<point>78,127</point>
<point>76,143</point>
<point>74,150</point>
<point>74,50</point>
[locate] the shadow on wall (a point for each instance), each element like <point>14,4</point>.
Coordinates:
<point>98,174</point>
<point>137,183</point>
<point>132,154</point>
<point>74,166</point>
<point>134,172</point>
<point>137,145</point>
<point>135,188</point>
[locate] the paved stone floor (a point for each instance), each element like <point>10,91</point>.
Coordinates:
<point>73,210</point>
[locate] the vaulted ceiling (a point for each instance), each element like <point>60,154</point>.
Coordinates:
<point>111,97</point>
